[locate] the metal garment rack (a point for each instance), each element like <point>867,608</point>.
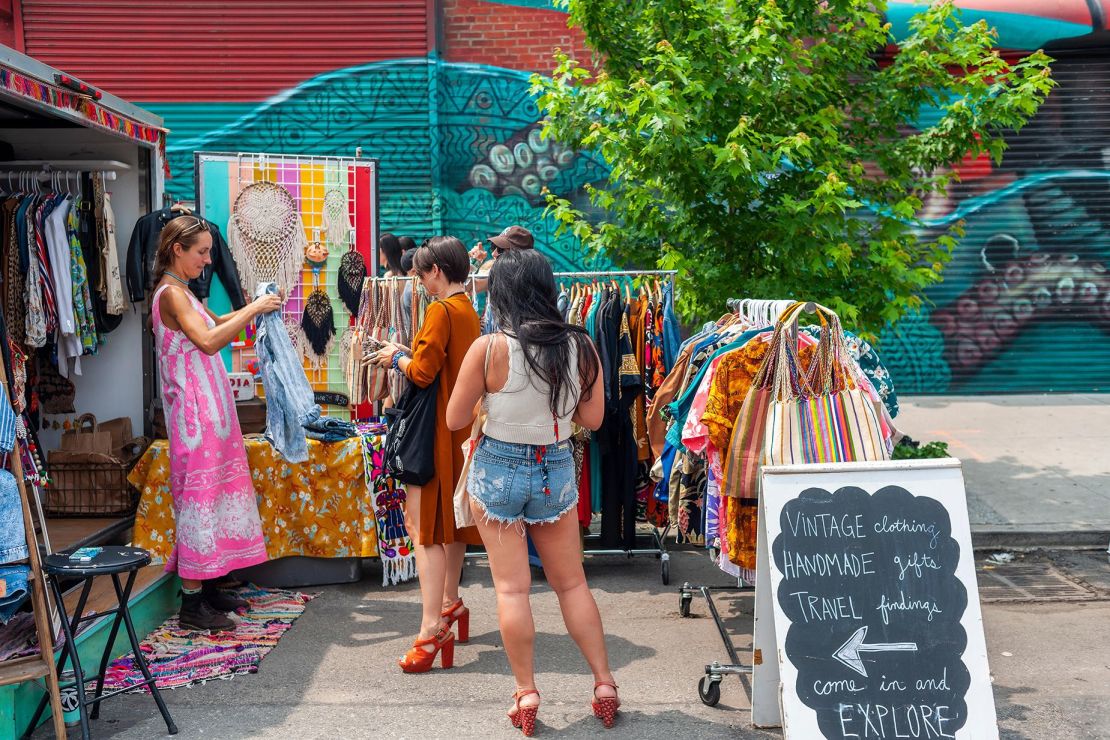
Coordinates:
<point>657,546</point>
<point>709,686</point>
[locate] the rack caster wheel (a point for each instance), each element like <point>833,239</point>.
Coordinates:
<point>684,601</point>
<point>709,689</point>
<point>665,568</point>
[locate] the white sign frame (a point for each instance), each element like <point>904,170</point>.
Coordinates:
<point>774,698</point>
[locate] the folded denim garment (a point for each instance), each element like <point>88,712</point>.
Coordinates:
<point>14,578</point>
<point>13,539</point>
<point>326,436</point>
<point>326,425</point>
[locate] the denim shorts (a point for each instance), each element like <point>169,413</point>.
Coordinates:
<point>507,481</point>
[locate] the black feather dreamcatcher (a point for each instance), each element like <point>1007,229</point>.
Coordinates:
<point>318,319</point>
<point>352,271</point>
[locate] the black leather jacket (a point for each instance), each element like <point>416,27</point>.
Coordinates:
<point>144,245</point>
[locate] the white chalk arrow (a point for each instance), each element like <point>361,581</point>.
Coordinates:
<point>848,653</point>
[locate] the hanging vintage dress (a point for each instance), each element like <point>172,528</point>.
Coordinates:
<point>214,504</point>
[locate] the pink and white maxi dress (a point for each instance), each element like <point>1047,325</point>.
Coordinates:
<point>214,504</point>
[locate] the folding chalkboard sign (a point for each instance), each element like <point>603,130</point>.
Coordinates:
<point>866,594</point>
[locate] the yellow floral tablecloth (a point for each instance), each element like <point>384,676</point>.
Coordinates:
<point>319,508</point>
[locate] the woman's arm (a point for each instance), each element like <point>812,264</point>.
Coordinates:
<point>176,305</point>
<point>226,317</point>
<point>469,387</point>
<point>429,350</point>
<point>591,411</point>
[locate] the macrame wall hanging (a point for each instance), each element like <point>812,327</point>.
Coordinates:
<point>318,319</point>
<point>337,213</point>
<point>266,236</point>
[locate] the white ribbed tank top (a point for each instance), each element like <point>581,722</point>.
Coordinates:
<point>520,412</point>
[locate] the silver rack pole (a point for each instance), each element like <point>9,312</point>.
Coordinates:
<point>607,273</point>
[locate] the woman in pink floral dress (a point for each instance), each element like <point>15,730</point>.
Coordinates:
<point>215,509</point>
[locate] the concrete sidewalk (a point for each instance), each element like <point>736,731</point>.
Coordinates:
<point>1037,468</point>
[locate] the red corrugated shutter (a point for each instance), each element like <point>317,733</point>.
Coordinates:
<point>215,50</point>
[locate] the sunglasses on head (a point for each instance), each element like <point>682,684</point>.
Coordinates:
<point>197,225</point>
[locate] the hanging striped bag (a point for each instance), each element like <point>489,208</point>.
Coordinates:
<point>820,416</point>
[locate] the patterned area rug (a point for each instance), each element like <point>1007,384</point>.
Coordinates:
<point>179,657</point>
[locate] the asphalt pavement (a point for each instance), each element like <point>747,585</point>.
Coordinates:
<point>333,675</point>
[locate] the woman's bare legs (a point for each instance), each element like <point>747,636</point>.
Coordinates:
<point>454,555</point>
<point>512,581</point>
<point>431,567</point>
<point>560,549</point>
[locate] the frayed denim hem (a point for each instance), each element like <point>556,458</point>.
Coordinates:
<point>521,521</point>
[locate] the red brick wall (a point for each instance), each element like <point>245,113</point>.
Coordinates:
<point>507,36</point>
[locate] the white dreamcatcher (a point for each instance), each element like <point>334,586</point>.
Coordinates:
<point>266,236</point>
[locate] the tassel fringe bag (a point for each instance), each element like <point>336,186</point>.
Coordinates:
<point>318,319</point>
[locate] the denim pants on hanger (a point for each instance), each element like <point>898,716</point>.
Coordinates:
<point>290,403</point>
<point>13,539</point>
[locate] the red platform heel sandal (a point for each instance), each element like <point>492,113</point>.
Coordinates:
<point>605,708</point>
<point>457,612</point>
<point>524,718</point>
<point>419,660</point>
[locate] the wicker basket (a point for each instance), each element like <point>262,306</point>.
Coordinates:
<point>93,485</point>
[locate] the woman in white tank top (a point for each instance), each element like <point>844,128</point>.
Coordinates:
<point>535,378</point>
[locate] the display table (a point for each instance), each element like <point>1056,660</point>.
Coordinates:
<point>319,508</point>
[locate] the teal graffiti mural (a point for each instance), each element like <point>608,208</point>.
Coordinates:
<point>468,167</point>
<point>1025,303</point>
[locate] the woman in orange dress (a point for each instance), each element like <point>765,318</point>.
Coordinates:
<point>450,326</point>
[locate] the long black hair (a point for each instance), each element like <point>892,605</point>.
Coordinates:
<point>391,247</point>
<point>524,299</point>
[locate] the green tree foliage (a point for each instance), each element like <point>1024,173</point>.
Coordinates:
<point>770,149</point>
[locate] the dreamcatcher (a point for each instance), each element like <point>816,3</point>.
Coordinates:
<point>267,237</point>
<point>352,271</point>
<point>318,319</point>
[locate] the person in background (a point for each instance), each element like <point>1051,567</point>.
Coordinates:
<point>535,376</point>
<point>512,237</point>
<point>218,527</point>
<point>450,327</point>
<point>389,255</point>
<point>406,294</point>
<point>408,244</point>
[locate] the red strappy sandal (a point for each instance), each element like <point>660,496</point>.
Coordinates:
<point>606,708</point>
<point>524,718</point>
<point>453,614</point>
<point>419,660</point>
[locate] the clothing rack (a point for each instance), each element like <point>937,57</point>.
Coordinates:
<point>108,168</point>
<point>709,686</point>
<point>658,537</point>
<point>655,540</point>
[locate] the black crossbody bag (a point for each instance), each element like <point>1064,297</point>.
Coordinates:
<point>410,438</point>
